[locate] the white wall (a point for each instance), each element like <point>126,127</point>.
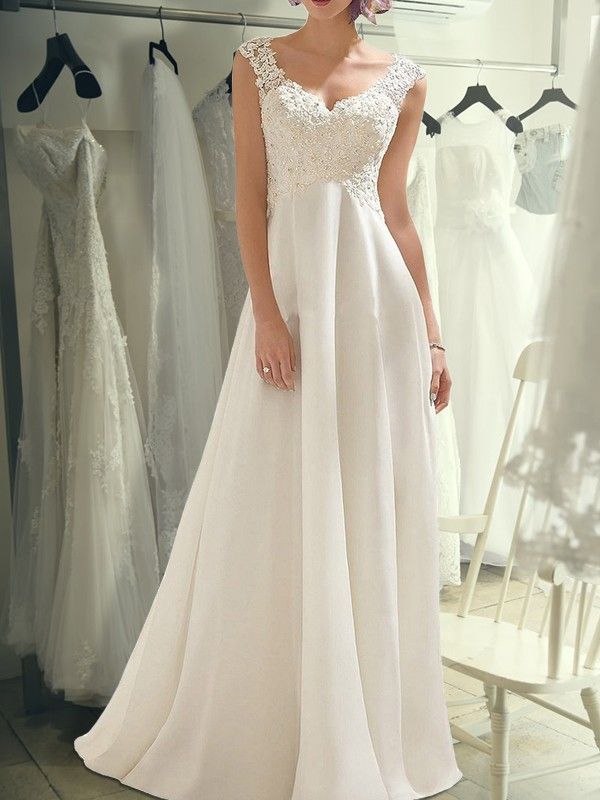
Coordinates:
<point>116,49</point>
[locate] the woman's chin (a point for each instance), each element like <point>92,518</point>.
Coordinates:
<point>323,9</point>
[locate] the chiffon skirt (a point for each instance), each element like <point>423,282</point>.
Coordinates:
<point>292,650</point>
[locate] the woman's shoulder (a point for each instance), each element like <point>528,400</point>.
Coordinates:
<point>402,69</point>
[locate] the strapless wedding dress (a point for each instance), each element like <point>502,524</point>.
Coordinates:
<point>84,567</point>
<point>487,299</point>
<point>292,651</point>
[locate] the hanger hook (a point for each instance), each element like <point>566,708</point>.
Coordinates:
<point>243,16</point>
<point>162,27</point>
<point>554,77</point>
<point>481,65</point>
<point>54,16</point>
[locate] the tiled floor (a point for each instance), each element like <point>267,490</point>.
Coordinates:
<point>37,761</point>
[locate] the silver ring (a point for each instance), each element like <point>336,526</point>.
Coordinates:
<point>266,369</point>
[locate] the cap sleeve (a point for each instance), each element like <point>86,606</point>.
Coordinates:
<point>262,59</point>
<point>408,73</point>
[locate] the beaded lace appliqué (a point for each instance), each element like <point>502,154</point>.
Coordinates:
<point>307,142</point>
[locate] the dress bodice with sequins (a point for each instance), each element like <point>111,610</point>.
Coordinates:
<point>306,142</point>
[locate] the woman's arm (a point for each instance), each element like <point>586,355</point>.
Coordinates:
<point>274,346</point>
<point>392,182</point>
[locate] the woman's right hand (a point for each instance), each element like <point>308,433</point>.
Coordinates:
<point>274,348</point>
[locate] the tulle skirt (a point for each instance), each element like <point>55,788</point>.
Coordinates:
<point>487,302</point>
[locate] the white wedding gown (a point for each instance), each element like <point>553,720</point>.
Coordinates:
<point>448,461</point>
<point>292,651</point>
<point>213,119</point>
<point>186,346</point>
<point>487,300</point>
<point>84,568</point>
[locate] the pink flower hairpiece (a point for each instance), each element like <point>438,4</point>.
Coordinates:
<point>368,8</point>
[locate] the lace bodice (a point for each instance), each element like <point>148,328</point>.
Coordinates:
<point>68,166</point>
<point>307,142</point>
<point>212,118</point>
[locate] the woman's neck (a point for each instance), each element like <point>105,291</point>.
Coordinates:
<point>334,37</point>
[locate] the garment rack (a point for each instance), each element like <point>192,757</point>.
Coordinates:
<point>9,341</point>
<point>555,67</point>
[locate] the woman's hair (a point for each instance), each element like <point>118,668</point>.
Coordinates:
<point>368,8</point>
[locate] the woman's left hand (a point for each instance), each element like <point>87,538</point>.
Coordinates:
<point>440,380</point>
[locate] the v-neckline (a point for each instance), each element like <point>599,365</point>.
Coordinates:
<point>341,100</point>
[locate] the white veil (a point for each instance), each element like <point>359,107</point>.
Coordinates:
<point>561,459</point>
<point>185,366</point>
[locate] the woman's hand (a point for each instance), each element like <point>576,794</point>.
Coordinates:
<point>440,380</point>
<point>274,348</point>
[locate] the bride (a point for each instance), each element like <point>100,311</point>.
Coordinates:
<point>292,649</point>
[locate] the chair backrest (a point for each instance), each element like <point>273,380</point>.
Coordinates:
<point>531,370</point>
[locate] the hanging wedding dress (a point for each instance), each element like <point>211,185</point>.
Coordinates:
<point>560,460</point>
<point>448,463</point>
<point>486,299</point>
<point>185,360</point>
<point>84,567</point>
<point>292,651</point>
<point>214,126</point>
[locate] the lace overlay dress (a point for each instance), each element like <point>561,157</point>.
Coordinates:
<point>214,126</point>
<point>292,651</point>
<point>84,569</point>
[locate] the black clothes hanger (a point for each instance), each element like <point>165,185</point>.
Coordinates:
<point>553,95</point>
<point>479,93</point>
<point>432,125</point>
<point>59,53</point>
<point>161,46</point>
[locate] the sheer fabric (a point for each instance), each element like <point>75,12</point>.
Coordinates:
<point>185,367</point>
<point>561,460</point>
<point>84,567</point>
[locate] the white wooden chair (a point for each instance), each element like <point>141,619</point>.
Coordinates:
<point>512,658</point>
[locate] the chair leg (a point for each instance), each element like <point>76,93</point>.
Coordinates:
<point>490,693</point>
<point>590,697</point>
<point>499,768</point>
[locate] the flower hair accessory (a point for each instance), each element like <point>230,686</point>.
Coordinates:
<point>368,8</point>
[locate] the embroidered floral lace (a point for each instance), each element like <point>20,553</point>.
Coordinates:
<point>307,142</point>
